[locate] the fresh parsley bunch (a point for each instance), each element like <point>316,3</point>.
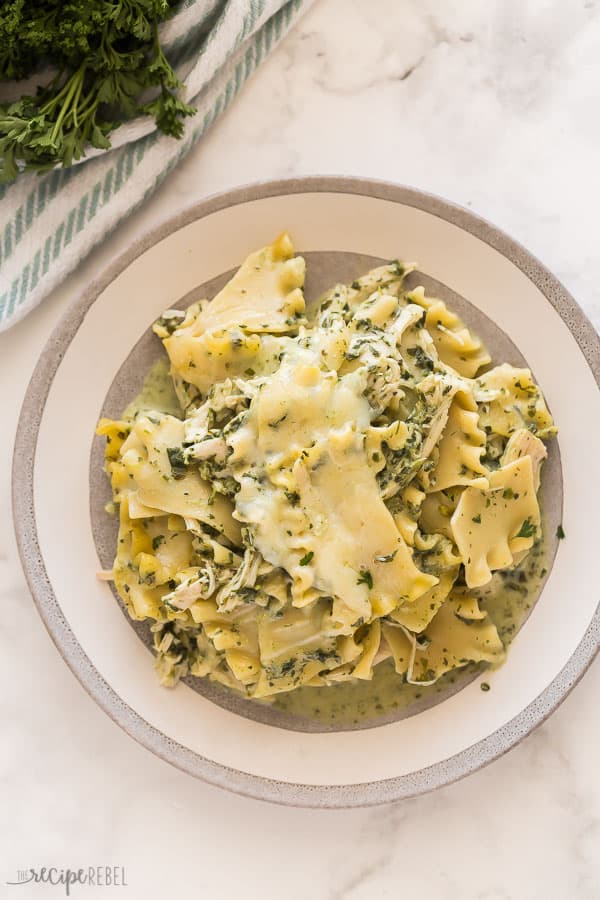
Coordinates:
<point>106,55</point>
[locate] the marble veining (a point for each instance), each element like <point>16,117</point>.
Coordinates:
<point>492,105</point>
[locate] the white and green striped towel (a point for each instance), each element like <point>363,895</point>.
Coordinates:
<point>49,223</point>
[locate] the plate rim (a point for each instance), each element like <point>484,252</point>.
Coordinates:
<point>361,794</point>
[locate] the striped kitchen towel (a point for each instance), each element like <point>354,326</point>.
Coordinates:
<point>49,223</point>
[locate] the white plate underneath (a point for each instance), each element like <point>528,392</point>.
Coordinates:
<point>336,219</point>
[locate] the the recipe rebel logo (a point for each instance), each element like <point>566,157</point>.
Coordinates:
<point>91,876</point>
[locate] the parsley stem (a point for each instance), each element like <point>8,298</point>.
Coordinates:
<point>88,105</point>
<point>58,97</point>
<point>75,102</point>
<point>75,86</point>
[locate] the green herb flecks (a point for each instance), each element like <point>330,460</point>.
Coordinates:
<point>169,322</point>
<point>526,388</point>
<point>421,359</point>
<point>365,577</point>
<point>527,529</point>
<point>307,558</point>
<point>177,461</point>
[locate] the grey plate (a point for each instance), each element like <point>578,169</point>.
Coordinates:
<point>305,795</point>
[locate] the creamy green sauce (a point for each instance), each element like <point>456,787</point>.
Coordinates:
<point>157,393</point>
<point>508,599</point>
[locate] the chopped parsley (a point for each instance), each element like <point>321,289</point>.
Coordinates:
<point>177,461</point>
<point>527,529</point>
<point>422,360</point>
<point>526,388</point>
<point>560,532</point>
<point>170,320</point>
<point>307,558</point>
<point>365,577</point>
<point>288,666</point>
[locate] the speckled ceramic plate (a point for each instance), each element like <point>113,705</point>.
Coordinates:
<point>94,364</point>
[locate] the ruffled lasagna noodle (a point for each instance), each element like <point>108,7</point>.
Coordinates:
<point>336,487</point>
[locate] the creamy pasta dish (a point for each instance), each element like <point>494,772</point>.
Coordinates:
<point>334,488</point>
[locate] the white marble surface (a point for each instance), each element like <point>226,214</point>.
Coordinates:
<point>493,105</point>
